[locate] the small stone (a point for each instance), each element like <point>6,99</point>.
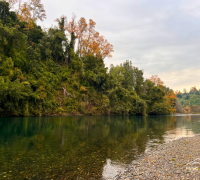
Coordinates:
<point>177,172</point>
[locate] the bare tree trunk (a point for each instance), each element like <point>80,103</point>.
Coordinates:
<point>65,93</point>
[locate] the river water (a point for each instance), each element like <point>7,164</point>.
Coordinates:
<point>83,147</point>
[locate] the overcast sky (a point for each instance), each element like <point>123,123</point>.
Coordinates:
<point>162,37</point>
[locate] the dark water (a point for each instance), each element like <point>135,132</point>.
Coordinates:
<point>94,147</point>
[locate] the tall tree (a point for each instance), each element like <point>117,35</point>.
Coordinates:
<point>81,32</point>
<point>90,42</point>
<point>30,12</point>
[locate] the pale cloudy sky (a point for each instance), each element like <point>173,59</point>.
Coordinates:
<point>160,36</point>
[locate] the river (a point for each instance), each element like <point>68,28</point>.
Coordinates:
<point>83,147</point>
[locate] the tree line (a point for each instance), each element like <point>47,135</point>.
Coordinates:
<point>61,70</point>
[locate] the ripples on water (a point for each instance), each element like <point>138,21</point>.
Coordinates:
<point>93,147</point>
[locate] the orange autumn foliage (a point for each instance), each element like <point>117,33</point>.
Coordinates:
<point>170,99</point>
<point>90,42</point>
<point>187,110</point>
<point>25,15</point>
<point>97,46</point>
<point>156,80</point>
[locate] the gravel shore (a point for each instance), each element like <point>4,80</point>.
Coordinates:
<point>179,159</point>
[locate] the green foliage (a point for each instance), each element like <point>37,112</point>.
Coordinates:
<point>59,110</point>
<point>40,74</point>
<point>95,72</point>
<point>82,107</point>
<point>128,76</point>
<point>71,105</point>
<point>12,44</point>
<point>6,16</point>
<point>140,106</point>
<point>161,108</point>
<point>35,35</point>
<point>52,45</point>
<point>104,104</point>
<point>190,100</point>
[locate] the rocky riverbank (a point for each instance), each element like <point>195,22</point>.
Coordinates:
<point>179,159</point>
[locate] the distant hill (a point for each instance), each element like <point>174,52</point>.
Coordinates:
<point>188,102</point>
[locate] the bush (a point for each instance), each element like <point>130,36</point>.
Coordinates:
<point>161,108</point>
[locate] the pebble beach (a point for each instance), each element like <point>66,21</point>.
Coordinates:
<point>178,159</point>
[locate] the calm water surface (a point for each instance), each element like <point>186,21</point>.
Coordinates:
<point>93,147</point>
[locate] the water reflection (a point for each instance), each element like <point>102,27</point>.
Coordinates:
<point>83,147</point>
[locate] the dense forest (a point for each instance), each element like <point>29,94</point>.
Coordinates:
<point>188,102</point>
<point>61,70</point>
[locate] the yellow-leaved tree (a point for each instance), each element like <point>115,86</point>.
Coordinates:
<point>170,99</point>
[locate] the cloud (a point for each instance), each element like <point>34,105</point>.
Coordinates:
<point>191,8</point>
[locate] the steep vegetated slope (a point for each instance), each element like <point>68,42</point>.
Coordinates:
<point>61,70</point>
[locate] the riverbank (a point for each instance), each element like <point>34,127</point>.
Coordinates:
<point>174,160</point>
